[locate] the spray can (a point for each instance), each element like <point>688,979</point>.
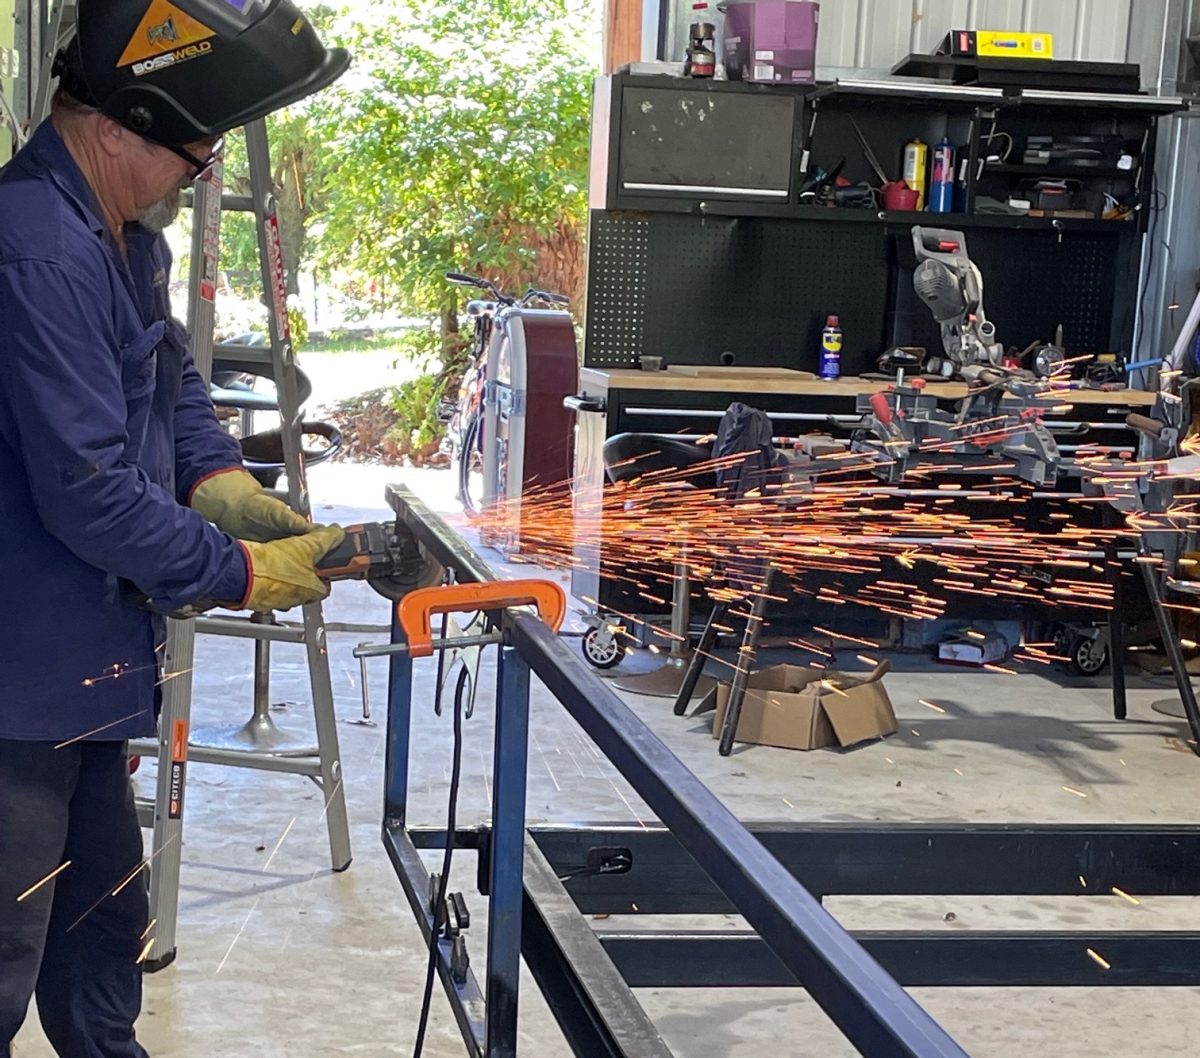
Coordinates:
<point>831,349</point>
<point>941,185</point>
<point>916,164</point>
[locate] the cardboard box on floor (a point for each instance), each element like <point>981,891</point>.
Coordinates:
<point>798,708</point>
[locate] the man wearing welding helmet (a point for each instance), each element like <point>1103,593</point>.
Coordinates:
<point>113,468</point>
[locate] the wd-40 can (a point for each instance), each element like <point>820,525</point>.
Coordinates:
<point>831,349</point>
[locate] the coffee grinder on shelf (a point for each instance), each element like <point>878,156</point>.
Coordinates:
<point>702,55</point>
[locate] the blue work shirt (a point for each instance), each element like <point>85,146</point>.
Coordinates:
<point>105,428</point>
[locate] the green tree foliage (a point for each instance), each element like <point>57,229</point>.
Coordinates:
<point>458,141</point>
<point>294,144</point>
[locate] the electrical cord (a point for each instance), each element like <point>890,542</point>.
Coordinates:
<point>1152,241</point>
<point>439,904</point>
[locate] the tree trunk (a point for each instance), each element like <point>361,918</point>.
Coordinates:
<point>293,216</point>
<point>449,327</point>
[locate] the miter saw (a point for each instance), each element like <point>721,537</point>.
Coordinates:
<point>999,420</point>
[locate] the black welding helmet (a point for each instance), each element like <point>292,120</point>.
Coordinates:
<point>178,71</point>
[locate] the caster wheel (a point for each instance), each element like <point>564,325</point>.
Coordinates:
<point>1062,638</point>
<point>603,652</point>
<point>1085,660</point>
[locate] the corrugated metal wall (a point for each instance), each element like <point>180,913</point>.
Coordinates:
<point>875,34</point>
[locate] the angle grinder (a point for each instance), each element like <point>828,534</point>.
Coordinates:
<point>384,554</point>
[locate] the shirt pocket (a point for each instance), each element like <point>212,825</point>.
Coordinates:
<point>139,363</point>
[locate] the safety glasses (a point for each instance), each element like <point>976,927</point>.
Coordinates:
<point>202,166</point>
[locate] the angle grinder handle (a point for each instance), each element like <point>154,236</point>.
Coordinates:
<point>351,559</point>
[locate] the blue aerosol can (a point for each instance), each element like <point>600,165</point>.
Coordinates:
<point>831,349</point>
<point>941,182</point>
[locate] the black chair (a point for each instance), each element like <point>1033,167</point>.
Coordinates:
<point>632,455</point>
<point>235,365</point>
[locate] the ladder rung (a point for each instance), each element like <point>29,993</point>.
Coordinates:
<point>237,203</point>
<point>241,628</point>
<point>310,766</point>
<point>243,399</point>
<point>227,353</point>
<point>229,203</point>
<point>231,758</point>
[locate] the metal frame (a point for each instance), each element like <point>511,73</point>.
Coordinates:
<point>870,1008</point>
<point>541,887</point>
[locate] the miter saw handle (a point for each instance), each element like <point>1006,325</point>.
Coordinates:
<point>940,244</point>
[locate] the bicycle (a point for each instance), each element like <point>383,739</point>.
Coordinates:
<point>464,433</point>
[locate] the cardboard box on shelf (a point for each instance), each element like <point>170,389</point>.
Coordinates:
<point>797,708</point>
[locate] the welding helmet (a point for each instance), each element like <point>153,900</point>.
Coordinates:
<point>179,71</point>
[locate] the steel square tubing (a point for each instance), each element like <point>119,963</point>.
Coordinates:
<point>466,999</point>
<point>505,871</point>
<point>598,1014</point>
<point>874,1013</point>
<point>922,959</point>
<point>902,859</point>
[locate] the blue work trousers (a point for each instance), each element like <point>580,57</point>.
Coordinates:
<point>75,940</point>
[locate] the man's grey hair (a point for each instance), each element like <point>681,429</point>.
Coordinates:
<point>65,103</point>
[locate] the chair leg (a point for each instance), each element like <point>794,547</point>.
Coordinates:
<point>745,662</point>
<point>699,658</point>
<point>1183,679</point>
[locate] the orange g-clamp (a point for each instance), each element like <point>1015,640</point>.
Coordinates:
<point>415,611</point>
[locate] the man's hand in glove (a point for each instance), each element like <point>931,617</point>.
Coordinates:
<point>238,505</point>
<point>282,573</point>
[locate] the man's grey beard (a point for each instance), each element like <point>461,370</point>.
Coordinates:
<point>161,215</point>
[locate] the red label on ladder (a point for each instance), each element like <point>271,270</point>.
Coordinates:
<point>179,747</point>
<point>211,234</point>
<point>278,278</point>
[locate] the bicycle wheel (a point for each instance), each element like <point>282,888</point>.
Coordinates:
<point>470,467</point>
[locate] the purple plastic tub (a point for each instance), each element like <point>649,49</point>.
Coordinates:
<point>773,41</point>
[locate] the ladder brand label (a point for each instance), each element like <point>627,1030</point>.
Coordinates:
<point>179,747</point>
<point>164,37</point>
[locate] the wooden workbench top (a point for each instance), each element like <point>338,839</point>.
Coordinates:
<point>746,381</point>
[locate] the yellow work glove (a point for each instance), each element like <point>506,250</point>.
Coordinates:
<point>238,505</point>
<point>283,573</point>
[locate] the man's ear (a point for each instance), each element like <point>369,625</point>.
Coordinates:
<point>111,136</point>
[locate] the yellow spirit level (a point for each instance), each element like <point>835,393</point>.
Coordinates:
<point>999,44</point>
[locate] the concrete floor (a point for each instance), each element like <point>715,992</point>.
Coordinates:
<point>279,957</point>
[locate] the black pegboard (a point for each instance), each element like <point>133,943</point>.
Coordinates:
<point>693,289</point>
<point>618,264</point>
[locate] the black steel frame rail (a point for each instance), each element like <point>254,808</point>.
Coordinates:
<point>872,1011</point>
<point>920,959</point>
<point>894,859</point>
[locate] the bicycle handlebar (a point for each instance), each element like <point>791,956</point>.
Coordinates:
<point>545,295</point>
<point>530,295</point>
